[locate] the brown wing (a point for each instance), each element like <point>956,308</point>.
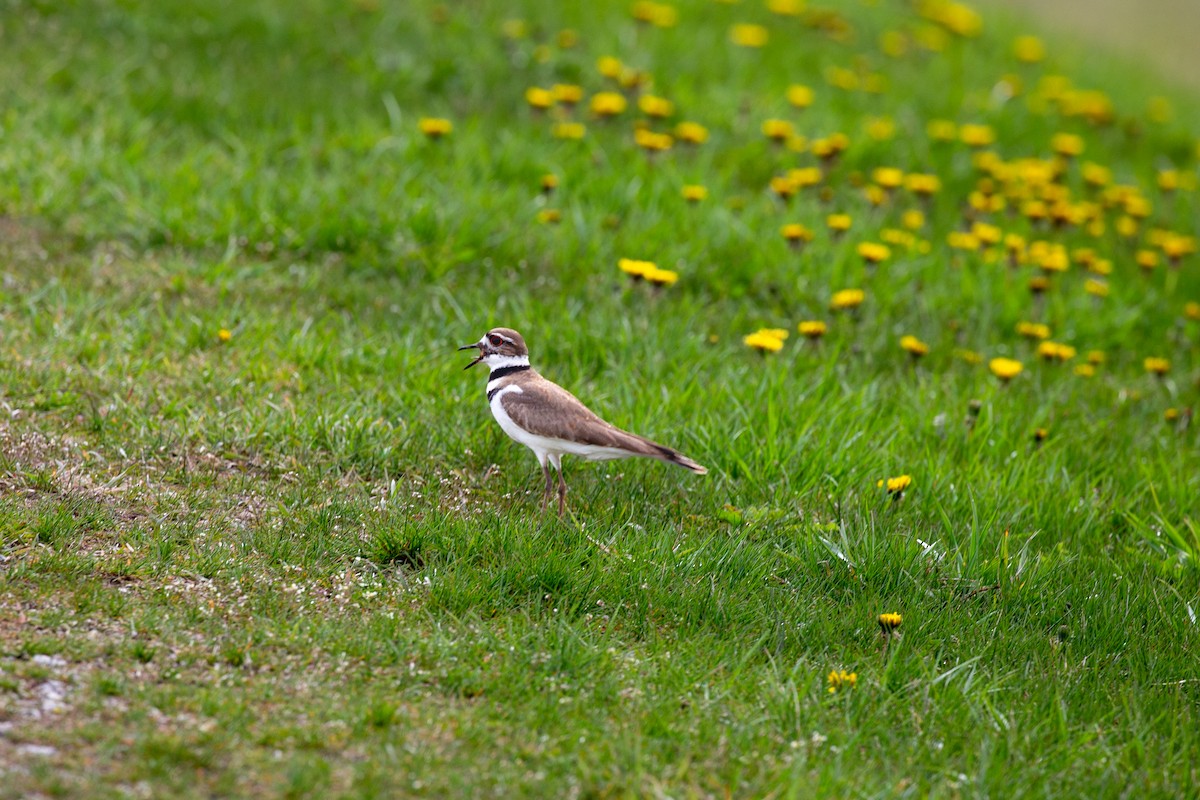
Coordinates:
<point>546,409</point>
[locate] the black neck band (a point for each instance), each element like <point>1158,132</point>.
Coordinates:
<point>500,372</point>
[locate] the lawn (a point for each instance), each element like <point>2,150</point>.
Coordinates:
<point>262,537</point>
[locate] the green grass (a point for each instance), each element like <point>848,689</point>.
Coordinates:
<point>306,562</point>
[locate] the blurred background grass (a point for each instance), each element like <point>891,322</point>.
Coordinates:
<point>1160,33</point>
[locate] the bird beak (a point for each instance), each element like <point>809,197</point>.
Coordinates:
<point>468,347</point>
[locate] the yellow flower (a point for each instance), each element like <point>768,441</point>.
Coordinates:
<point>1067,144</point>
<point>661,277</point>
<point>569,130</point>
<point>777,130</point>
<point>1095,357</point>
<point>914,346</point>
<point>609,67</point>
<point>786,8</point>
<point>842,680</point>
<point>549,216</point>
<point>1096,288</point>
<point>1005,368</point>
<point>800,96</point>
<point>763,341</point>
<point>1095,174</point>
<point>897,237</point>
<point>888,177</point>
<point>923,184</point>
<point>805,176</point>
<point>913,219</point>
<point>838,223</point>
<point>893,43</point>
<point>1033,330</point>
<point>652,142</point>
<point>881,129</point>
<point>694,193</point>
<point>539,98</point>
<point>1085,370</point>
<point>813,329</point>
<point>658,107</point>
<point>660,15</point>
<point>748,35</point>
<point>969,356</point>
<point>962,240</point>
<point>795,233</point>
<point>986,234</point>
<point>435,127</point>
<point>1192,310</point>
<point>890,622</point>
<point>977,135</point>
<point>608,104</point>
<point>224,335</point>
<point>1171,414</point>
<point>549,182</point>
<point>941,130</point>
<point>896,485</point>
<point>1157,366</point>
<point>1054,351</point>
<point>567,93</point>
<point>1147,259</point>
<point>691,132</point>
<point>1039,284</point>
<point>636,269</point>
<point>783,186</point>
<point>846,299</point>
<point>1029,49</point>
<point>873,252</point>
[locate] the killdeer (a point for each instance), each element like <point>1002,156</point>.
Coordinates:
<point>549,420</point>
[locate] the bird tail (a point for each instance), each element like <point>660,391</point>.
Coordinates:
<point>667,455</point>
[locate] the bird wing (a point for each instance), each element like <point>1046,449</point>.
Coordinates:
<point>546,409</point>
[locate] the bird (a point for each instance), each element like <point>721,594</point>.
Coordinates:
<point>551,421</point>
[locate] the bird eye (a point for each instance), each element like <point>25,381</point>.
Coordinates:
<point>495,340</point>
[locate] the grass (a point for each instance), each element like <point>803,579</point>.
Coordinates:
<point>302,560</point>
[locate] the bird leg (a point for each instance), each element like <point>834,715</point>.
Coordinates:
<point>562,492</point>
<point>549,486</point>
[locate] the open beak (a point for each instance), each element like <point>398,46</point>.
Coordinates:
<point>481,353</point>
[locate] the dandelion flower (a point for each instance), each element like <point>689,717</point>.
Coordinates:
<point>609,67</point>
<point>838,223</point>
<point>1157,366</point>
<point>914,346</point>
<point>224,335</point>
<point>749,35</point>
<point>652,142</point>
<point>896,485</point>
<point>846,299</point>
<point>1029,49</point>
<point>1085,370</point>
<point>941,130</point>
<point>636,269</point>
<point>539,98</point>
<point>568,94</point>
<point>569,130</point>
<point>1005,368</point>
<point>813,329</point>
<point>923,185</point>
<point>977,135</point>
<point>763,341</point>
<point>435,127</point>
<point>800,96</point>
<point>1033,330</point>
<point>1067,145</point>
<point>913,219</point>
<point>608,104</point>
<point>549,216</point>
<point>691,132</point>
<point>777,130</point>
<point>1096,288</point>
<point>694,193</point>
<point>661,277</point>
<point>1192,310</point>
<point>796,234</point>
<point>839,680</point>
<point>890,622</point>
<point>657,107</point>
<point>786,8</point>
<point>549,183</point>
<point>874,253</point>
<point>1146,259</point>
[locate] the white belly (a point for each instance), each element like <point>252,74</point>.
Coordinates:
<point>545,446</point>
